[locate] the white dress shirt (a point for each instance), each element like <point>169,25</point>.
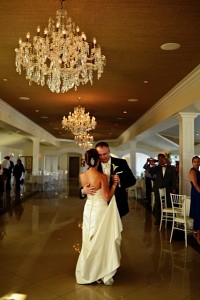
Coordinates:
<point>163,170</point>
<point>106,167</point>
<point>5,163</point>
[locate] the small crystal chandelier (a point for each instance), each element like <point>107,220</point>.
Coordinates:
<point>79,122</point>
<point>84,141</point>
<point>62,59</point>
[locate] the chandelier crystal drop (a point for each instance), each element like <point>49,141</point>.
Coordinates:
<point>79,122</point>
<point>62,59</point>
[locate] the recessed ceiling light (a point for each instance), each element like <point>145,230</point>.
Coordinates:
<point>37,110</point>
<point>170,46</point>
<point>125,112</point>
<point>146,81</point>
<point>44,117</point>
<point>5,79</point>
<point>24,98</point>
<point>133,100</point>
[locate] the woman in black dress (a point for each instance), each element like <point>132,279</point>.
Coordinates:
<point>194,177</point>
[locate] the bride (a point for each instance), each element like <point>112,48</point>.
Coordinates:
<point>101,233</point>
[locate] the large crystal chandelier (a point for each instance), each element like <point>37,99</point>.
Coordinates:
<point>84,141</point>
<point>79,122</point>
<point>62,59</point>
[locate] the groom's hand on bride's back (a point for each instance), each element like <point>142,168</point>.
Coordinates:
<point>87,189</point>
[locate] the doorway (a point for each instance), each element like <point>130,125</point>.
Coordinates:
<point>74,166</point>
<point>74,169</point>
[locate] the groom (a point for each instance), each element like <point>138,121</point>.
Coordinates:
<point>111,166</point>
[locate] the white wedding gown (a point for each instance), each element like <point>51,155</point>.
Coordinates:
<point>101,239</point>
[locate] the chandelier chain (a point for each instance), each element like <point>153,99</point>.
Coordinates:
<point>61,3</point>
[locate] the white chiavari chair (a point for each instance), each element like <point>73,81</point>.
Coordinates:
<point>180,220</point>
<point>166,212</point>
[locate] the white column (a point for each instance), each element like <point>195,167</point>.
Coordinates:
<point>186,149</point>
<point>36,149</point>
<point>44,164</point>
<point>133,157</point>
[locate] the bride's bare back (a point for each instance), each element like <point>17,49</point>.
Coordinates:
<point>98,180</point>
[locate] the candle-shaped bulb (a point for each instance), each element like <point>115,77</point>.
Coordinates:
<point>94,41</point>
<point>38,30</point>
<point>83,36</point>
<point>28,35</point>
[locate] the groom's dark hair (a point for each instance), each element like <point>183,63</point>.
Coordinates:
<point>102,144</point>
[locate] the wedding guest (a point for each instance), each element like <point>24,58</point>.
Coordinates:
<point>17,173</point>
<point>177,176</point>
<point>6,164</point>
<point>111,165</point>
<point>194,177</point>
<point>165,178</point>
<point>101,231</point>
<point>149,179</point>
<point>10,170</point>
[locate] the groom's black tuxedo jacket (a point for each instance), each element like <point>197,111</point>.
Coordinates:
<point>127,179</point>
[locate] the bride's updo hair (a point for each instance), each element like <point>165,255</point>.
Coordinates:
<point>91,157</point>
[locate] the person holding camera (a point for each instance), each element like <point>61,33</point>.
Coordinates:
<point>149,179</point>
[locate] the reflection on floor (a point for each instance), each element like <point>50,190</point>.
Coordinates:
<point>40,238</point>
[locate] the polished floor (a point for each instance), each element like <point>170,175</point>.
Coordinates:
<point>40,239</point>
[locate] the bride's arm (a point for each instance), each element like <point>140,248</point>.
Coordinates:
<point>106,191</point>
